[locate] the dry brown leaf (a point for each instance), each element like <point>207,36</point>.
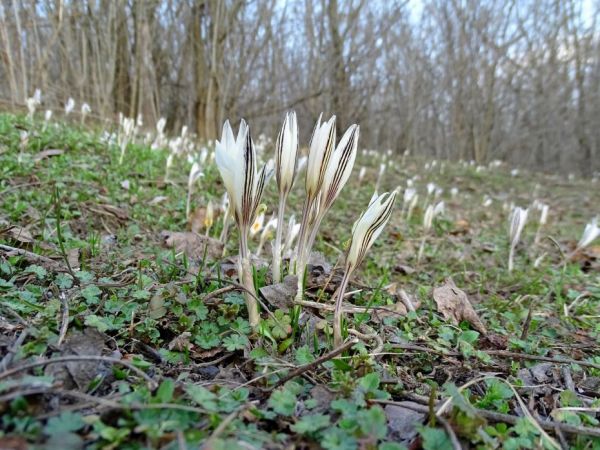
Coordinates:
<point>109,210</point>
<point>196,220</point>
<point>454,305</point>
<point>47,153</point>
<point>461,226</point>
<point>181,343</point>
<point>18,234</point>
<point>194,245</point>
<point>281,295</point>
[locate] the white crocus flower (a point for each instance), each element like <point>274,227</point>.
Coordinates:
<point>48,115</point>
<point>454,192</point>
<point>236,161</point>
<point>431,187</point>
<point>258,224</point>
<point>321,148</point>
<point>69,106</point>
<point>590,234</point>
<point>292,233</point>
<point>125,135</point>
<point>266,233</point>
<point>209,217</point>
<point>85,110</point>
<point>286,158</point>
<point>361,174</point>
<point>337,174</point>
<point>365,231</point>
<point>195,174</point>
<point>518,219</point>
<point>544,209</point>
<point>431,212</point>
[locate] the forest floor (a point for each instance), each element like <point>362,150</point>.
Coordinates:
<point>121,329</point>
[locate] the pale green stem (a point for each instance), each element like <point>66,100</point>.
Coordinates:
<point>337,313</point>
<point>511,255</point>
<point>278,237</point>
<point>247,281</point>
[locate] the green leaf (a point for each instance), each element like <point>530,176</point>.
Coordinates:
<point>235,342</point>
<point>311,424</point>
<point>369,382</point>
<point>283,402</point>
<point>202,397</point>
<point>373,422</point>
<point>91,294</point>
<point>304,355</point>
<point>65,423</point>
<point>434,439</point>
<point>164,393</point>
<point>39,271</point>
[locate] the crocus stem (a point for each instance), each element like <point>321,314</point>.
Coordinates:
<point>511,255</point>
<point>300,254</point>
<point>188,203</point>
<point>278,237</point>
<point>337,313</point>
<point>248,282</point>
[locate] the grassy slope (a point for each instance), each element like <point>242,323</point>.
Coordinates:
<point>140,297</point>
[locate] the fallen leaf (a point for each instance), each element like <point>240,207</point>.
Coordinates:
<point>47,153</point>
<point>181,343</point>
<point>158,199</point>
<point>194,245</point>
<point>461,226</point>
<point>196,220</point>
<point>80,373</point>
<point>18,234</point>
<point>109,210</point>
<point>402,421</point>
<point>454,305</point>
<point>281,295</point>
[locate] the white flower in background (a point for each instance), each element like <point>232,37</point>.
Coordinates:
<point>286,158</point>
<point>125,135</point>
<point>454,192</point>
<point>292,233</point>
<point>431,212</point>
<point>431,187</point>
<point>514,172</point>
<point>518,219</point>
<point>48,115</point>
<point>302,161</point>
<point>139,121</point>
<point>194,175</point>
<point>487,201</point>
<point>266,234</point>
<point>209,217</point>
<point>365,231</point>
<point>258,224</point>
<point>85,110</point>
<point>361,174</point>
<point>382,169</point>
<point>590,234</point>
<point>69,106</point>
<point>438,192</point>
<point>226,212</point>
<point>33,102</point>
<point>409,194</point>
<point>544,209</point>
<point>237,164</point>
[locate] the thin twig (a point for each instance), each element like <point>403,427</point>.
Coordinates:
<point>345,309</point>
<point>500,353</point>
<point>71,358</point>
<point>317,362</point>
<point>27,254</point>
<point>500,417</point>
<point>64,321</point>
<point>11,352</point>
